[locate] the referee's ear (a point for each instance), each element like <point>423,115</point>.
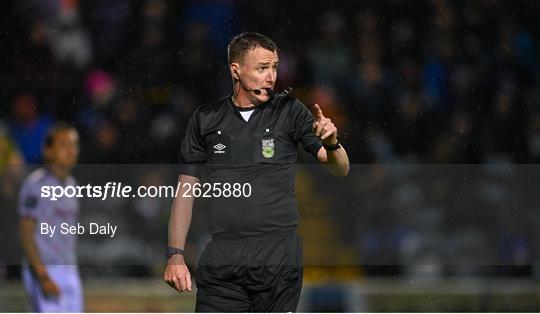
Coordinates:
<point>234,70</point>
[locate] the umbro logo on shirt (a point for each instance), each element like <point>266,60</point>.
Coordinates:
<point>219,148</point>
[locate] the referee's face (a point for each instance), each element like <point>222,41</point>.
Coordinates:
<point>258,69</point>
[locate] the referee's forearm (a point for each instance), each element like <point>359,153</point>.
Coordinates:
<point>181,212</point>
<point>337,162</point>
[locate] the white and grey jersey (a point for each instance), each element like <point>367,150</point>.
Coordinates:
<point>59,249</point>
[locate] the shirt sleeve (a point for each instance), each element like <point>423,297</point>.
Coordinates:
<point>303,128</point>
<point>29,201</point>
<point>192,150</point>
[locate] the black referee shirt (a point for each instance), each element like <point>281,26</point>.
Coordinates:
<point>261,151</point>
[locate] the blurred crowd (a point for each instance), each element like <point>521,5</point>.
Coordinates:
<point>430,82</point>
<point>418,82</point>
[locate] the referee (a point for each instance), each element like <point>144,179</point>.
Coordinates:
<point>254,261</point>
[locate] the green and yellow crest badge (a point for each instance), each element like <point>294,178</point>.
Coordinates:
<point>268,147</point>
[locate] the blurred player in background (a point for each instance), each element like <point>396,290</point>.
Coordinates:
<point>254,261</point>
<point>50,273</point>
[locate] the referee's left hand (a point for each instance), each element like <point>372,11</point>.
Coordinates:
<point>177,274</point>
<point>324,128</point>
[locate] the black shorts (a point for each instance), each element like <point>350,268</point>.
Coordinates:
<point>257,275</point>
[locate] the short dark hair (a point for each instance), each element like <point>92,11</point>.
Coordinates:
<point>240,44</point>
<point>55,129</point>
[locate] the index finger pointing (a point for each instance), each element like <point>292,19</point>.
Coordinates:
<point>318,112</point>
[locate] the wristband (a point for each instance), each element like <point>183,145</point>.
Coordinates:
<point>332,147</point>
<point>173,251</point>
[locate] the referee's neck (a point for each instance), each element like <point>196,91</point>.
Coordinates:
<point>242,102</point>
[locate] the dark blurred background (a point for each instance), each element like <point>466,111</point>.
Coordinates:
<point>450,86</point>
<point>424,81</point>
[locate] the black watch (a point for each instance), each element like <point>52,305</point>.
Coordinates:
<point>173,251</point>
<point>332,147</point>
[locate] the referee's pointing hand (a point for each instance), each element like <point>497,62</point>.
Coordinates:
<point>177,274</point>
<point>324,128</point>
